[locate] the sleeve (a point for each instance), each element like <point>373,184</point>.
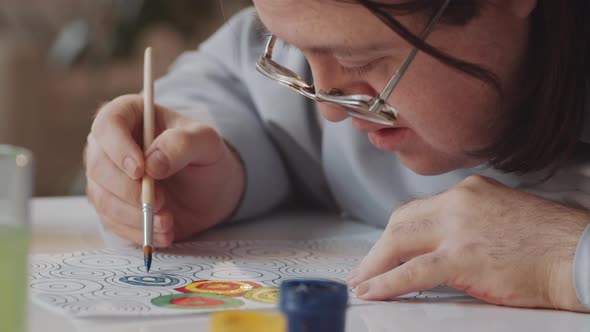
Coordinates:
<point>578,177</point>
<point>210,85</point>
<point>582,268</point>
<point>581,271</point>
<point>582,256</point>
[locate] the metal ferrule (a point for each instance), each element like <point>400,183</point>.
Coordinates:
<point>148,224</point>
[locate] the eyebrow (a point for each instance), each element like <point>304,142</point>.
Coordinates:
<point>321,50</point>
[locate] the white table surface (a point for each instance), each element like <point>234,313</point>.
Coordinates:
<point>70,224</point>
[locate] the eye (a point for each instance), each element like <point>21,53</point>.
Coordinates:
<point>359,70</point>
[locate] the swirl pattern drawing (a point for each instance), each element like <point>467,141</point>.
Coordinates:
<point>190,277</point>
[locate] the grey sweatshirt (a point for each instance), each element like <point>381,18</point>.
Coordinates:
<point>288,150</point>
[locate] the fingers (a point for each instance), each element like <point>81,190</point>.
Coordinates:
<point>109,205</point>
<point>182,142</point>
<point>391,251</point>
<point>101,170</point>
<point>113,130</point>
<point>400,242</point>
<point>420,273</point>
<point>160,240</point>
<point>125,219</point>
<point>176,148</point>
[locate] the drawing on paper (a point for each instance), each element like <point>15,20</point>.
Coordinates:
<point>197,301</point>
<point>194,276</point>
<point>263,295</point>
<point>219,287</point>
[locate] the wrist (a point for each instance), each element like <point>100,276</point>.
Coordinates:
<point>562,294</point>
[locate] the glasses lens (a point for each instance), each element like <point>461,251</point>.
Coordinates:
<point>277,72</point>
<point>360,106</point>
<point>356,106</point>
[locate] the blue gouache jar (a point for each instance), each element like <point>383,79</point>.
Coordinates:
<point>313,305</point>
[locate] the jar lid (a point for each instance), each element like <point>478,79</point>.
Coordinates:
<point>314,297</point>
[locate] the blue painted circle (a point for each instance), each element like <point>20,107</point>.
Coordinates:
<point>152,281</point>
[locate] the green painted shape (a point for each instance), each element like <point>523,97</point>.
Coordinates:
<point>165,301</point>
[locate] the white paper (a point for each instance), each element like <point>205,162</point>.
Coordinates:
<point>113,282</point>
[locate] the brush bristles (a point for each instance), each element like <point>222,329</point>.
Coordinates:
<point>147,257</point>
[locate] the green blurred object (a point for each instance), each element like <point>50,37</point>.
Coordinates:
<point>14,243</point>
<point>15,192</point>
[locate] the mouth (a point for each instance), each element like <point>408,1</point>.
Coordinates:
<point>388,139</point>
<point>383,137</point>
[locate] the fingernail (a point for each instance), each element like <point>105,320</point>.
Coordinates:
<point>352,282</point>
<point>164,240</point>
<point>352,274</point>
<point>130,167</point>
<point>352,279</point>
<point>157,163</point>
<point>157,225</point>
<point>362,289</point>
<point>160,225</point>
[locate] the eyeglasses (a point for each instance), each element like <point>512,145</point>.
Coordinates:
<point>374,109</point>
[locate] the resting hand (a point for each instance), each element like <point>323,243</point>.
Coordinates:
<point>498,244</point>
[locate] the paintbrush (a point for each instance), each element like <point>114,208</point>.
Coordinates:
<point>147,183</point>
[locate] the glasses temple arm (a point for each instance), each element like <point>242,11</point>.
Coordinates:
<point>270,44</point>
<point>384,95</point>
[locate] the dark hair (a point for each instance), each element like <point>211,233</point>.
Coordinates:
<point>543,131</point>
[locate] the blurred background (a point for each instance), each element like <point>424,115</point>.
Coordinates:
<point>61,59</point>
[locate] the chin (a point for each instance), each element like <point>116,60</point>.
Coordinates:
<point>428,166</point>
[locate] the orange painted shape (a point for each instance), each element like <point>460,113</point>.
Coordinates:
<point>220,287</point>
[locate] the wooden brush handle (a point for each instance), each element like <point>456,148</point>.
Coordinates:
<point>147,185</point>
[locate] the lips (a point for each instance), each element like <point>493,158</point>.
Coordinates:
<point>388,139</point>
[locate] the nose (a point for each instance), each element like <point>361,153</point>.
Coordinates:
<point>328,77</point>
<point>333,113</point>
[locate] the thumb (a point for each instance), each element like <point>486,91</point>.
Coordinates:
<point>176,148</point>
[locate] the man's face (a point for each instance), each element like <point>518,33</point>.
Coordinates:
<point>443,112</point>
